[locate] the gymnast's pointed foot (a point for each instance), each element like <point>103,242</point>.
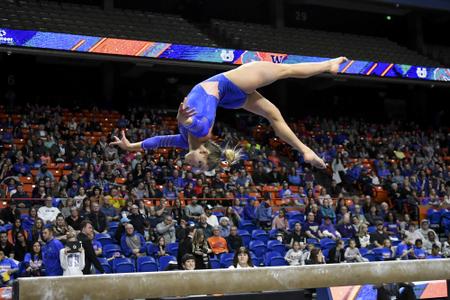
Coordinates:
<point>312,158</point>
<point>335,63</point>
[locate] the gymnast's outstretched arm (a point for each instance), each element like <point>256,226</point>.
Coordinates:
<point>175,140</point>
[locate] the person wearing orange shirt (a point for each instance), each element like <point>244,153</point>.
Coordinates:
<point>217,243</point>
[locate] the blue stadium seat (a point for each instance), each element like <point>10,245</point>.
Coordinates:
<point>372,229</point>
<point>112,234</point>
<point>446,221</point>
<point>346,241</point>
<point>172,249</point>
<point>123,265</point>
<point>312,241</point>
<point>296,216</point>
<point>104,239</point>
<point>395,242</point>
<point>326,253</point>
<point>105,265</point>
<point>113,225</point>
<point>112,230</point>
<point>381,253</point>
<point>274,259</point>
<point>247,225</point>
<point>277,261</point>
<point>370,256</point>
<point>378,252</point>
<point>163,261</point>
<point>218,214</point>
<point>245,235</point>
<point>276,246</point>
<point>363,251</point>
<point>111,249</point>
<point>226,260</point>
<point>258,248</point>
<point>256,260</point>
<point>327,243</point>
<point>152,249</point>
<point>292,213</point>
<point>260,235</point>
<point>146,264</point>
<point>215,264</point>
<point>273,234</point>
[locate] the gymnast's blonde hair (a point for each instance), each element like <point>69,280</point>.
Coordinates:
<point>217,155</point>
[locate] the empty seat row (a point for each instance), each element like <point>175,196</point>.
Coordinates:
<point>317,43</point>
<point>92,20</point>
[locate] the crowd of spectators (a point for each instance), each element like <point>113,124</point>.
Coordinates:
<point>93,208</point>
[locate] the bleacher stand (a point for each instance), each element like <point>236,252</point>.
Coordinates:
<point>83,170</point>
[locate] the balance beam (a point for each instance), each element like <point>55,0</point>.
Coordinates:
<point>221,281</point>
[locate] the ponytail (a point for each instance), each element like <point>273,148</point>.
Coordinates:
<point>223,157</point>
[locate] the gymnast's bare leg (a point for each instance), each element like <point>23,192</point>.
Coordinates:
<point>252,76</point>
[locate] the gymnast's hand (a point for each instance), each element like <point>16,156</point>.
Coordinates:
<point>123,143</point>
<point>185,113</point>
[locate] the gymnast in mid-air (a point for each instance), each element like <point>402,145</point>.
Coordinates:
<point>232,90</point>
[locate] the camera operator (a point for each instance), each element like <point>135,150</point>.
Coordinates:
<point>72,256</point>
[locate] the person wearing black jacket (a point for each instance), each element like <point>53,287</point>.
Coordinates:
<point>336,254</point>
<point>9,214</point>
<point>137,219</point>
<point>98,219</point>
<point>87,231</point>
<point>377,238</point>
<point>234,241</point>
<point>185,246</point>
<point>74,220</point>
<point>260,176</point>
<point>297,235</point>
<point>21,194</point>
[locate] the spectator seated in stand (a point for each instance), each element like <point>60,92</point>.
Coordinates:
<point>280,222</point>
<point>294,256</point>
<point>194,210</point>
<point>98,219</point>
<point>352,253</point>
<point>167,229</point>
<point>297,235</point>
<point>48,213</point>
<point>234,240</point>
<point>379,236</point>
<point>8,267</point>
<point>212,218</point>
<point>33,263</point>
<point>346,229</point>
<point>328,229</point>
<point>435,252</point>
<point>93,175</point>
<point>242,259</point>
<point>419,252</point>
<point>225,227</point>
<point>217,243</point>
<point>263,214</point>
<point>337,253</point>
<point>312,228</point>
<point>132,243</point>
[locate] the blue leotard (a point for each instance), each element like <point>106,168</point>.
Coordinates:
<point>230,97</point>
